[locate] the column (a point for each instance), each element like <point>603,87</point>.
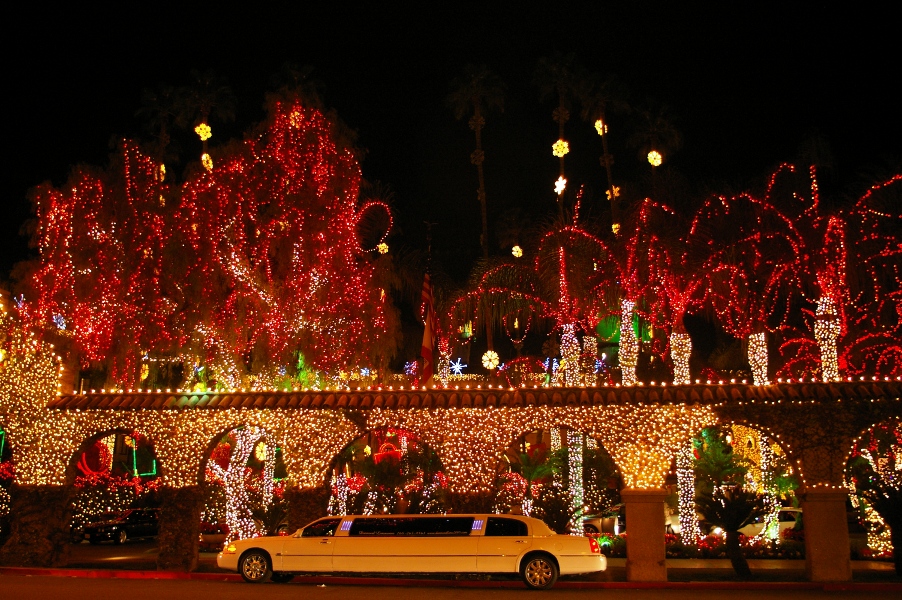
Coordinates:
<point>39,526</point>
<point>645,552</point>
<point>826,535</point>
<point>179,537</point>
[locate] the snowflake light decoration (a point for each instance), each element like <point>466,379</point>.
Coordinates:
<point>203,131</point>
<point>560,148</point>
<point>560,185</point>
<point>517,251</point>
<point>382,248</point>
<point>490,360</point>
<point>655,159</point>
<point>458,367</point>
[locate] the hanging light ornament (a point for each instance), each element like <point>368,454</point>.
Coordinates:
<point>655,159</point>
<point>207,161</point>
<point>600,127</point>
<point>560,185</point>
<point>203,131</point>
<point>490,360</point>
<point>560,148</point>
<point>517,251</point>
<point>382,248</point>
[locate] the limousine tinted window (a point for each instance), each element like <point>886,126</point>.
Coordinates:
<point>502,526</point>
<point>323,528</point>
<point>406,526</point>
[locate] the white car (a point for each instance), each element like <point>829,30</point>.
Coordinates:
<point>786,518</point>
<point>483,543</point>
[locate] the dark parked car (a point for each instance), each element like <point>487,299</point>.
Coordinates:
<point>119,527</point>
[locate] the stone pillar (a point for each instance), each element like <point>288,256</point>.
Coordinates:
<point>179,538</point>
<point>39,526</point>
<point>827,551</point>
<point>645,552</point>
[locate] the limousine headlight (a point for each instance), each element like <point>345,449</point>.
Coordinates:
<point>230,549</point>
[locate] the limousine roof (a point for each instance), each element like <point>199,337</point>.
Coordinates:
<point>480,398</point>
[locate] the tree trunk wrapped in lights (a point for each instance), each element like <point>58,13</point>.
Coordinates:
<point>680,350</point>
<point>570,356</point>
<point>590,354</point>
<point>685,463</point>
<point>826,331</point>
<point>629,345</point>
<point>757,355</point>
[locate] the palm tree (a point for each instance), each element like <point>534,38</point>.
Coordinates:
<point>599,97</point>
<point>160,107</point>
<point>207,97</point>
<point>732,508</point>
<point>476,92</point>
<point>559,74</point>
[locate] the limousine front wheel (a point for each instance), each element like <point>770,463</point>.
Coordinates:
<point>539,571</point>
<point>255,567</point>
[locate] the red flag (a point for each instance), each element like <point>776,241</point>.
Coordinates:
<point>428,349</point>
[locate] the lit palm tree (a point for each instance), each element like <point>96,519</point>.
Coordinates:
<point>601,96</point>
<point>476,92</point>
<point>208,96</point>
<point>559,74</point>
<point>160,108</point>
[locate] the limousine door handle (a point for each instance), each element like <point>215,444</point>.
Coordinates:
<point>521,541</point>
<point>325,542</point>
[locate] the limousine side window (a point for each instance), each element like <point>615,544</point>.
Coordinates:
<point>507,527</point>
<point>322,528</point>
<point>415,527</point>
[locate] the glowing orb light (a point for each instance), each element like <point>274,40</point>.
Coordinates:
<point>490,360</point>
<point>517,251</point>
<point>600,127</point>
<point>207,161</point>
<point>382,248</point>
<point>655,159</point>
<point>560,185</point>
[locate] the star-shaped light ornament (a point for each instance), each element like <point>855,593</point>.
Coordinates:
<point>560,185</point>
<point>615,190</point>
<point>655,159</point>
<point>517,251</point>
<point>382,248</point>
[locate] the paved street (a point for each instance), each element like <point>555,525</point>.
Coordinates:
<point>25,588</point>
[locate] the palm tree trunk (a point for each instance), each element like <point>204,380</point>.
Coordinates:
<point>737,559</point>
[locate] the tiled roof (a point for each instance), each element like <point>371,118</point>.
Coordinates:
<point>480,398</point>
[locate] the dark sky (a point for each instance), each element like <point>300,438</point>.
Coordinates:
<point>746,83</point>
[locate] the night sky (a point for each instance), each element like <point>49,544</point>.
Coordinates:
<point>746,85</point>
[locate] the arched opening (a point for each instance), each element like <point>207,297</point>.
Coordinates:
<point>112,472</point>
<point>387,470</point>
<point>7,476</point>
<point>733,480</point>
<point>875,489</point>
<point>244,477</point>
<point>562,476</point>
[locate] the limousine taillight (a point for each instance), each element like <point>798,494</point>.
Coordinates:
<point>593,545</point>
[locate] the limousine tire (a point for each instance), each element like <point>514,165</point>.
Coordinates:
<point>539,571</point>
<point>255,566</point>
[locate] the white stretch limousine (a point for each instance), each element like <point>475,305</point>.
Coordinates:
<point>417,544</point>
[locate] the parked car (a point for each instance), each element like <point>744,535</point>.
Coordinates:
<point>122,526</point>
<point>787,519</point>
<point>614,521</point>
<point>473,543</point>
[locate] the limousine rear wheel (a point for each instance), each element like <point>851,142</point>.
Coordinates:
<point>539,571</point>
<point>254,566</point>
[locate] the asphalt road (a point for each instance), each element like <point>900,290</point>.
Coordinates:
<point>15,587</point>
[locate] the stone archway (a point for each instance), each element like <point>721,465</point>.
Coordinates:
<point>872,478</point>
<point>233,456</point>
<point>111,471</point>
<point>387,469</point>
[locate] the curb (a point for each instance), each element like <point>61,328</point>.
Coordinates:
<point>836,586</point>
